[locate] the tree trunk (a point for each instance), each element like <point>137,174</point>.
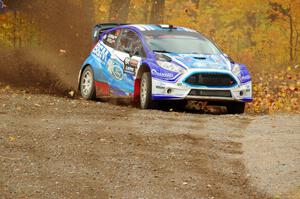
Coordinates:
<point>157,11</point>
<point>15,26</point>
<point>146,11</point>
<point>296,45</point>
<point>291,38</point>
<point>119,11</point>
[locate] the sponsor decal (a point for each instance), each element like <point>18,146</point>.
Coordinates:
<point>133,63</point>
<point>163,75</point>
<point>115,69</point>
<point>160,87</point>
<point>111,38</point>
<point>101,52</point>
<point>245,78</point>
<point>130,65</point>
<point>126,61</point>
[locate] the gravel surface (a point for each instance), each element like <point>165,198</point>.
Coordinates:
<point>56,147</point>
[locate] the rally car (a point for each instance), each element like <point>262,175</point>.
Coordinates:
<point>151,63</point>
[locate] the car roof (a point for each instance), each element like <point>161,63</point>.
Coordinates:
<point>151,27</point>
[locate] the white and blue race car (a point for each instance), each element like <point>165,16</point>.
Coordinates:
<point>151,63</point>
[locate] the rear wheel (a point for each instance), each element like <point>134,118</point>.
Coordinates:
<point>236,108</point>
<point>146,91</point>
<point>87,84</point>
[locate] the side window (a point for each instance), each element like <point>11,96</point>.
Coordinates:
<point>110,39</point>
<point>129,42</point>
<point>137,48</point>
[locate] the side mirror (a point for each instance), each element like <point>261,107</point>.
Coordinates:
<point>96,34</point>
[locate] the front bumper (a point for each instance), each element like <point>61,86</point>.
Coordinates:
<point>164,90</point>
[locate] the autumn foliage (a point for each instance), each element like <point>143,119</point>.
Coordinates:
<point>263,34</point>
<point>277,91</point>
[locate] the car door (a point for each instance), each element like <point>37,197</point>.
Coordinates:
<point>125,62</point>
<point>102,54</point>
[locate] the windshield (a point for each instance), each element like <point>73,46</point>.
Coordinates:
<point>179,42</point>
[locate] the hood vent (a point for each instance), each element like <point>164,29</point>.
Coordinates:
<point>201,58</point>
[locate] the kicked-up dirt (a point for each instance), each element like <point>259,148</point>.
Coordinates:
<point>56,147</point>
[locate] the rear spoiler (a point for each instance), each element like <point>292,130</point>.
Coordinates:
<point>100,28</point>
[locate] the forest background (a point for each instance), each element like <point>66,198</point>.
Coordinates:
<point>51,38</point>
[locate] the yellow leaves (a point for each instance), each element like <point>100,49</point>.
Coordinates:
<point>292,87</point>
<point>255,88</point>
<point>276,93</point>
<point>11,138</point>
<point>102,8</point>
<point>282,95</point>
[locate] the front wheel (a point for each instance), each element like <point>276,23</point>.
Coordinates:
<point>87,84</point>
<point>236,108</point>
<point>146,91</point>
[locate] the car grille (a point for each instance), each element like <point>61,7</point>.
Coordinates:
<point>210,93</point>
<point>211,79</point>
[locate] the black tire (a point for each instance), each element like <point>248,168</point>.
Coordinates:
<point>236,108</point>
<point>146,91</point>
<point>87,84</point>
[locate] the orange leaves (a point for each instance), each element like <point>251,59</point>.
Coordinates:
<point>276,91</point>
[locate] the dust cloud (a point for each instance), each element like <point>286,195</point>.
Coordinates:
<point>66,41</point>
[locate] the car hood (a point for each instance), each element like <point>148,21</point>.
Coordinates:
<point>217,61</point>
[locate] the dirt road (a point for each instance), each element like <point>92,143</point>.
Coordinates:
<point>55,147</point>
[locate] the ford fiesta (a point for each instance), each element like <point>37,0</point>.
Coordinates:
<point>151,63</point>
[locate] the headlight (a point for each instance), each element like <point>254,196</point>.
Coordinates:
<point>243,91</point>
<point>170,66</point>
<point>236,69</point>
